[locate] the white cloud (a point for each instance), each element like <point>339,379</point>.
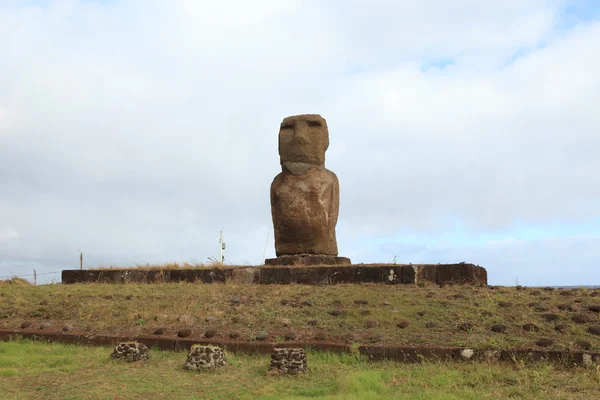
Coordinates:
<point>137,130</point>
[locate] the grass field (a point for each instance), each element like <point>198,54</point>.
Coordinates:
<point>369,313</point>
<point>36,370</point>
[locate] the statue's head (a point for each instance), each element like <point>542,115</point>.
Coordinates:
<point>303,140</point>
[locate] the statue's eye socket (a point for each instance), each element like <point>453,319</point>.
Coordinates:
<point>286,126</point>
<point>314,123</point>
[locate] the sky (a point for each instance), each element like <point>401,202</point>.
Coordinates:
<point>137,130</point>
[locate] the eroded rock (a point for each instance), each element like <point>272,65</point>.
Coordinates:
<point>130,352</point>
<point>288,361</point>
<point>203,358</point>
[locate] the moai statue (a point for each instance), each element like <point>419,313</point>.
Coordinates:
<point>305,195</point>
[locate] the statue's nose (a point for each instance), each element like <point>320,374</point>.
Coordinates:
<point>301,134</point>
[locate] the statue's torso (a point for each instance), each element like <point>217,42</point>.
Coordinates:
<point>305,210</point>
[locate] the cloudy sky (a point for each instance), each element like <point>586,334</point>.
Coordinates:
<point>136,130</point>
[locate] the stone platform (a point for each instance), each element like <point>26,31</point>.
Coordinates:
<point>308,259</point>
<point>391,274</point>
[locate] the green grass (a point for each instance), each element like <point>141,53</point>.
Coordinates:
<point>134,309</point>
<point>50,371</point>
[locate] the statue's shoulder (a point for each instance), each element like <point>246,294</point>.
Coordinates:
<point>331,175</point>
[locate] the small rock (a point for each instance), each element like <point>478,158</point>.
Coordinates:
<point>551,317</point>
<point>210,319</point>
<point>185,332</point>
<point>544,342</point>
<point>312,322</point>
<point>236,300</point>
<point>467,326</point>
<point>499,328</point>
<point>582,344</point>
<point>45,325</point>
<point>467,354</point>
<point>581,318</point>
<point>530,328</point>
<point>210,333</point>
<point>371,324</point>
<point>234,335</point>
<point>159,331</point>
<point>26,324</point>
<point>361,302</point>
<point>365,312</point>
<point>285,322</point>
<point>594,308</point>
<point>336,312</point>
<point>290,335</point>
<point>320,336</point>
<point>562,328</point>
<point>403,324</point>
<point>421,313</point>
<point>262,335</point>
<point>430,325</point>
<point>387,303</point>
<point>67,328</point>
<point>594,330</point>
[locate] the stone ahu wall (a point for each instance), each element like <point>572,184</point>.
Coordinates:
<point>312,275</point>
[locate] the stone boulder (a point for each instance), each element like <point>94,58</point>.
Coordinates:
<point>288,361</point>
<point>130,352</point>
<point>204,358</point>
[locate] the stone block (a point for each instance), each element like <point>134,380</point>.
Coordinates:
<point>341,274</point>
<point>368,274</point>
<point>290,361</point>
<point>275,275</point>
<point>309,275</point>
<point>130,352</point>
<point>203,358</point>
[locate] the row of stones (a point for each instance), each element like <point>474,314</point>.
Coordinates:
<point>205,357</point>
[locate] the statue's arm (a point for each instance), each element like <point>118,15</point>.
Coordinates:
<point>335,200</point>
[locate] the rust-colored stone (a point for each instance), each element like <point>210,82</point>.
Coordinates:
<point>305,195</point>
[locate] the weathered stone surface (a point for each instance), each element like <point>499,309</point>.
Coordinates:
<point>307,274</point>
<point>205,358</point>
<point>305,195</point>
<point>26,324</point>
<point>288,361</point>
<point>308,259</point>
<point>131,352</point>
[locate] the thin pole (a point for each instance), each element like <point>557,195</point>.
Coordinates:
<point>266,243</point>
<point>221,247</point>
<point>80,260</point>
<point>34,277</point>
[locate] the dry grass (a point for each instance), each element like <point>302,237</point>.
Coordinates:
<point>133,309</point>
